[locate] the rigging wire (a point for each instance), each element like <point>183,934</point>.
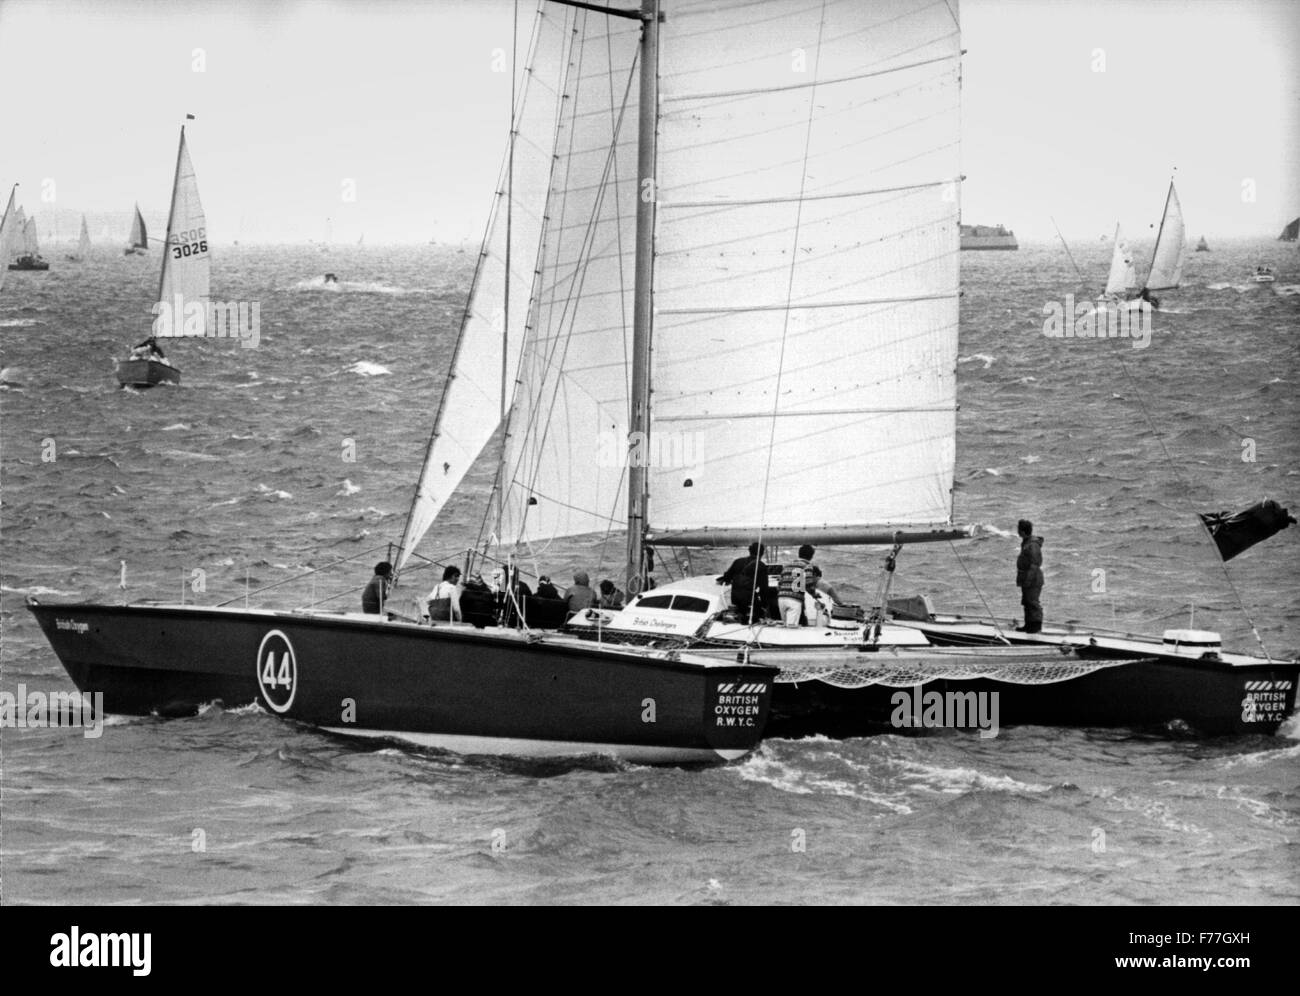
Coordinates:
<point>789,296</point>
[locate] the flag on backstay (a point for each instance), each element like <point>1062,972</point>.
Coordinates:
<point>1235,532</point>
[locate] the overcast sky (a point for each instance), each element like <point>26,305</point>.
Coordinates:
<point>1074,109</point>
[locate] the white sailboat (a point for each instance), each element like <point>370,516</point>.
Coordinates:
<point>1123,274</point>
<point>696,242</point>
<point>29,246</point>
<point>83,244</point>
<point>1170,253</point>
<point>137,242</point>
<point>8,227</point>
<point>183,283</point>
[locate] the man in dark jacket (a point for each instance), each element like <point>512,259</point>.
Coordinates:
<point>744,575</point>
<point>376,593</point>
<point>1029,577</point>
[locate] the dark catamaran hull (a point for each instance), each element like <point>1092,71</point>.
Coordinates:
<point>1204,698</point>
<point>146,373</point>
<point>472,691</point>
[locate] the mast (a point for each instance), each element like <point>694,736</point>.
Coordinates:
<point>638,492</point>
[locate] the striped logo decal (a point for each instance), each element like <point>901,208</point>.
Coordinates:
<point>1268,686</point>
<point>753,688</point>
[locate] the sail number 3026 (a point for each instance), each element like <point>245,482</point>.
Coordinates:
<point>189,243</point>
<point>277,671</point>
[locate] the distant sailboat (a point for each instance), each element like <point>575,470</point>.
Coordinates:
<point>183,285</point>
<point>1202,246</point>
<point>83,244</point>
<point>138,241</point>
<point>29,257</point>
<point>8,225</point>
<point>1291,232</point>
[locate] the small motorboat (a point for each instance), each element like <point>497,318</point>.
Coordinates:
<point>1263,275</point>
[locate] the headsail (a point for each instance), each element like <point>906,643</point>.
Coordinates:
<point>482,374</point>
<point>565,464</point>
<point>1171,247</point>
<point>184,284</point>
<point>806,281</point>
<point>139,237</point>
<point>1123,274</point>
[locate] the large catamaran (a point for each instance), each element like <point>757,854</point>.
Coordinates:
<point>726,232</point>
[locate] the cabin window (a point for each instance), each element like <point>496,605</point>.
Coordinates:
<point>691,603</point>
<point>655,602</point>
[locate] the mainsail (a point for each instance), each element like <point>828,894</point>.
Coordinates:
<point>1171,247</point>
<point>1123,274</point>
<point>184,284</point>
<point>83,243</point>
<point>805,278</point>
<point>139,237</point>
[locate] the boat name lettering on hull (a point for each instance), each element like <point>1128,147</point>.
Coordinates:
<point>277,671</point>
<point>73,625</point>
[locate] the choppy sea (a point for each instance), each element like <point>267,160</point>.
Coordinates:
<point>302,451</point>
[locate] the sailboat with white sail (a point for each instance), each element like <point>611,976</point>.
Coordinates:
<point>137,241</point>
<point>9,226</point>
<point>29,247</point>
<point>183,282</point>
<point>698,244</point>
<point>83,244</point>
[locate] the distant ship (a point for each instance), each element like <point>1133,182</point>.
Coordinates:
<point>1291,232</point>
<point>1202,246</point>
<point>987,237</point>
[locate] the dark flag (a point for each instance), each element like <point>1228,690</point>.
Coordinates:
<point>1235,532</point>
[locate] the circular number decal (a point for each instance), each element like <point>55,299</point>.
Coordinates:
<point>277,671</point>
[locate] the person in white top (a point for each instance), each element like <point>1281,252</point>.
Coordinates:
<point>444,600</point>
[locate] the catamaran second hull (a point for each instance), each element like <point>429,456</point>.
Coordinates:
<point>884,692</point>
<point>472,691</point>
<point>146,373</point>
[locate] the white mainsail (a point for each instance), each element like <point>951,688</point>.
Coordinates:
<point>139,237</point>
<point>805,277</point>
<point>1171,247</point>
<point>1123,274</point>
<point>481,378</point>
<point>184,285</point>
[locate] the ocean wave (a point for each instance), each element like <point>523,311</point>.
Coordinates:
<point>367,369</point>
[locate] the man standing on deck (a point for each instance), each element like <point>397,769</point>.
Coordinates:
<point>376,593</point>
<point>1029,577</point>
